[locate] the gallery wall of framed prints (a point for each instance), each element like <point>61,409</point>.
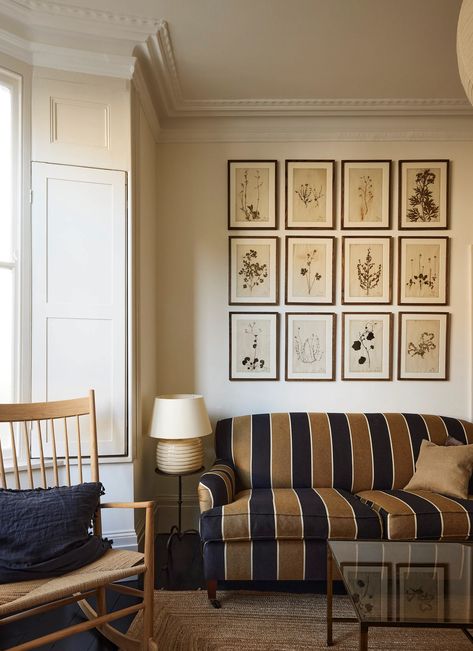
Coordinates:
<point>355,294</point>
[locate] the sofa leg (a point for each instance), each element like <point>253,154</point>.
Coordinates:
<point>212,593</point>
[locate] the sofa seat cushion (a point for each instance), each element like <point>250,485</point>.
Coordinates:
<point>291,514</point>
<point>421,515</point>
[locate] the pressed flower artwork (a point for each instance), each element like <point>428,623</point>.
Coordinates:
<point>421,591</point>
<point>310,350</point>
<point>366,194</point>
<point>310,270</point>
<point>309,194</point>
<point>251,194</point>
<point>423,346</point>
<point>367,340</point>
<point>423,194</point>
<point>253,270</point>
<point>254,346</point>
<point>369,588</point>
<point>423,264</point>
<point>366,270</point>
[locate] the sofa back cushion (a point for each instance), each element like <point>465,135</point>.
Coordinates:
<point>352,452</point>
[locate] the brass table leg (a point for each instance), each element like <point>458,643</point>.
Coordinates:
<point>363,637</point>
<point>329,597</point>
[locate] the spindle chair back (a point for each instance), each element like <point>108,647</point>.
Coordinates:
<point>42,445</point>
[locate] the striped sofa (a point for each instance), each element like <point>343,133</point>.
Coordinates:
<point>285,482</point>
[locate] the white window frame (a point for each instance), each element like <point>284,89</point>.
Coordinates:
<point>19,262</point>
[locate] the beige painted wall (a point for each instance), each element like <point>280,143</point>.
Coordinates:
<point>191,265</point>
<point>146,312</point>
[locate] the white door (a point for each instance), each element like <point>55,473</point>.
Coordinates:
<point>79,291</point>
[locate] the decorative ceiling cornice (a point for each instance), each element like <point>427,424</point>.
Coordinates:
<point>82,12</point>
<point>149,40</point>
<point>160,68</point>
<point>72,60</point>
<point>80,20</point>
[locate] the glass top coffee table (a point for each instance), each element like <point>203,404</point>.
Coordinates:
<point>411,584</point>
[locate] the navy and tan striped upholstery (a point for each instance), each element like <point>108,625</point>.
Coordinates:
<point>289,481</point>
<point>353,452</point>
<point>265,560</point>
<point>421,515</point>
<point>217,485</point>
<point>291,514</point>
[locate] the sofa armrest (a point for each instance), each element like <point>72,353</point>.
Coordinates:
<point>217,485</point>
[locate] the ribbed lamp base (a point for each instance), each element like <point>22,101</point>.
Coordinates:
<point>178,456</point>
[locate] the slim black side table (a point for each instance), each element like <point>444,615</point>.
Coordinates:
<point>176,532</point>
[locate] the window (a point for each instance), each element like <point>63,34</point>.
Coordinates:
<point>10,222</point>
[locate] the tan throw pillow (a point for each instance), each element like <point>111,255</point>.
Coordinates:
<point>442,469</point>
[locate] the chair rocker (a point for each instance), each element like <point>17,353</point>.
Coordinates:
<point>23,599</point>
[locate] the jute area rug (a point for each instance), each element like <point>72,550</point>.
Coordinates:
<point>247,621</point>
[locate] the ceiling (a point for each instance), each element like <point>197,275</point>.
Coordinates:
<point>215,58</point>
<point>235,49</point>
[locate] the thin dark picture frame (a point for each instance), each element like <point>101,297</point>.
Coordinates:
<point>333,340</point>
<point>276,270</point>
<point>390,244</point>
<point>330,164</point>
<point>402,263</point>
<point>276,347</point>
<point>333,240</point>
<point>390,340</point>
<point>423,163</point>
<point>232,225</point>
<point>345,224</point>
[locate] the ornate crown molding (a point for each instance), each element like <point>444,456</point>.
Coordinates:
<point>160,69</point>
<point>42,13</point>
<point>60,58</point>
<point>150,41</point>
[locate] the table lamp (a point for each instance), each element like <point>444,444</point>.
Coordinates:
<point>179,420</point>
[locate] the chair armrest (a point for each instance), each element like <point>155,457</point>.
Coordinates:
<point>127,505</point>
<point>149,528</point>
<point>217,485</point>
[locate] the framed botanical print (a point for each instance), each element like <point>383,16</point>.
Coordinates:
<point>367,346</point>
<point>366,194</point>
<point>423,194</point>
<point>310,194</point>
<point>423,345</point>
<point>369,585</point>
<point>421,589</point>
<point>423,270</point>
<point>252,194</point>
<point>366,273</point>
<point>310,346</point>
<point>310,270</point>
<point>253,270</point>
<point>254,346</point>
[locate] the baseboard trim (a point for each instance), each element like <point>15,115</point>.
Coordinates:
<point>123,539</point>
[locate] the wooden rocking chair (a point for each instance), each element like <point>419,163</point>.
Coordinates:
<point>25,598</point>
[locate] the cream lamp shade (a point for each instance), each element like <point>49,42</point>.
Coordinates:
<point>179,421</point>
<point>465,47</point>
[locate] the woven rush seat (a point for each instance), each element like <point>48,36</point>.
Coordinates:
<point>114,565</point>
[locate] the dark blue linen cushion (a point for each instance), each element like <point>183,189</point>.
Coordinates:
<point>46,532</point>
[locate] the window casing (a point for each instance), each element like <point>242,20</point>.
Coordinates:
<point>10,239</point>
